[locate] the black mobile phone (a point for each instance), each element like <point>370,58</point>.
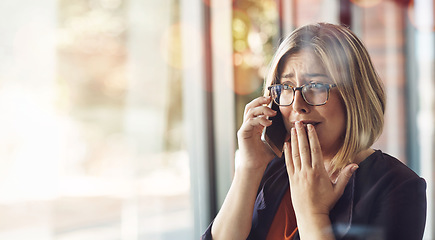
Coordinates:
<point>274,135</point>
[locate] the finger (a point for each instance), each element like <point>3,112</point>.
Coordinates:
<point>315,149</point>
<point>256,103</point>
<point>260,120</point>
<point>260,111</point>
<point>249,125</point>
<point>343,178</point>
<point>288,159</point>
<point>296,158</point>
<point>304,147</point>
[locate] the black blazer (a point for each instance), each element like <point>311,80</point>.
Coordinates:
<point>384,199</point>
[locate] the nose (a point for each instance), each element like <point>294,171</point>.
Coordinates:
<point>299,105</point>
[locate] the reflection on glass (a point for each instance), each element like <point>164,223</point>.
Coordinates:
<point>255,30</point>
<point>85,154</point>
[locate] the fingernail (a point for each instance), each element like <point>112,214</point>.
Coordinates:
<point>354,168</point>
<point>298,124</point>
<point>310,127</point>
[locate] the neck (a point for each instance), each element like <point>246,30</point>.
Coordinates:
<point>361,156</point>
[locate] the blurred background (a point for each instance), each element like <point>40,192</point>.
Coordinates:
<point>118,118</point>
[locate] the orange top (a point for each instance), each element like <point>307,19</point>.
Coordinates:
<point>284,223</point>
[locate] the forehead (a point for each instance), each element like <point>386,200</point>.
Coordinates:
<point>304,61</point>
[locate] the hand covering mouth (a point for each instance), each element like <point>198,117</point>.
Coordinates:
<point>305,123</point>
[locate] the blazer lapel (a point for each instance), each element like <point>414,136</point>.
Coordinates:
<point>270,196</point>
<point>267,202</point>
<point>342,213</point>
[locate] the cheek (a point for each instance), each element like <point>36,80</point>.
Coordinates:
<point>342,118</point>
<point>337,110</point>
<point>336,127</point>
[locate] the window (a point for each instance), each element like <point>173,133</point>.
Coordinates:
<point>119,118</point>
<point>92,127</point>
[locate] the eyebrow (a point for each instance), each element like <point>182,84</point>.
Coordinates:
<point>307,75</point>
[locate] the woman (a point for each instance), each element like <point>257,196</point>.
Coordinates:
<point>330,183</point>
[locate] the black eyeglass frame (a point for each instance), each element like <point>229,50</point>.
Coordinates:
<point>328,87</point>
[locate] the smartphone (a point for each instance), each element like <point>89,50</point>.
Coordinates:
<point>274,135</point>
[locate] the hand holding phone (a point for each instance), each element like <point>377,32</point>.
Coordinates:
<point>275,135</point>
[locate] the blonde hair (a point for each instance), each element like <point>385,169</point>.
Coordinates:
<point>349,65</point>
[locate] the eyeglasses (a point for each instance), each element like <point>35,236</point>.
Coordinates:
<point>315,94</point>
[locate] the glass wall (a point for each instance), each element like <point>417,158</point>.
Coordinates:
<point>399,35</point>
<point>92,130</point>
<point>119,117</point>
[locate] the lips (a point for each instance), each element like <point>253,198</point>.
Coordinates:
<point>306,122</point>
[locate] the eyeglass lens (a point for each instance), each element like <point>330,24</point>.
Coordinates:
<point>314,94</point>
